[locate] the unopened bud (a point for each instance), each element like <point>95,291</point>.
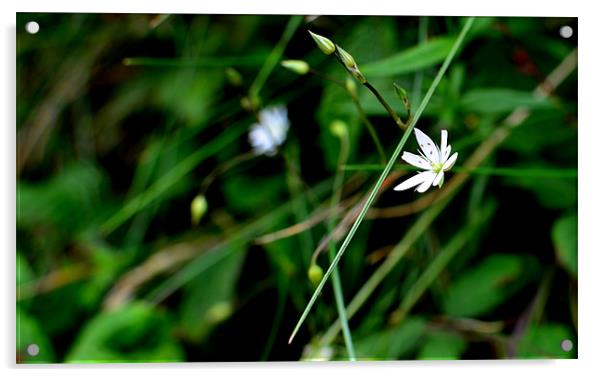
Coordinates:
<point>350,86</point>
<point>198,207</point>
<point>298,66</point>
<point>315,274</point>
<point>219,312</point>
<point>403,96</point>
<point>233,76</point>
<point>250,103</point>
<point>338,128</point>
<point>346,58</point>
<point>350,64</point>
<point>323,43</point>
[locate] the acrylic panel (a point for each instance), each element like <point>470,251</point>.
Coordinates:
<point>273,187</point>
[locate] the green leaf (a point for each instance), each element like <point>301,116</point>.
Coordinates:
<point>500,100</point>
<point>391,344</point>
<point>411,60</point>
<point>551,193</point>
<point>190,93</point>
<point>442,346</point>
<point>265,190</point>
<point>74,193</point>
<point>544,130</point>
<point>544,341</point>
<point>486,286</point>
<point>29,332</point>
<point>208,298</point>
<point>134,333</point>
<point>564,236</point>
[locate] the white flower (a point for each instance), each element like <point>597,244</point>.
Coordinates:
<point>267,135</point>
<point>433,160</point>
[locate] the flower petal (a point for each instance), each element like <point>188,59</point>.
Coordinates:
<point>438,178</point>
<point>413,181</point>
<point>443,147</point>
<point>446,153</point>
<point>450,162</point>
<point>261,141</point>
<point>414,159</point>
<point>431,151</point>
<point>428,181</point>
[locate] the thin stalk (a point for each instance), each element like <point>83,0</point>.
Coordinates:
<point>213,62</point>
<point>224,167</point>
<point>336,280</point>
<point>282,293</point>
<point>370,127</point>
<point>384,174</point>
<point>275,56</point>
<point>295,186</point>
<point>360,110</point>
<point>387,107</point>
<point>423,22</point>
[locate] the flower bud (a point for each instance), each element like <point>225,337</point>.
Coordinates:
<point>323,43</point>
<point>198,207</point>
<point>338,128</point>
<point>219,312</point>
<point>403,95</point>
<point>315,274</point>
<point>351,87</point>
<point>250,103</point>
<point>346,58</point>
<point>298,66</point>
<point>350,64</point>
<point>233,76</point>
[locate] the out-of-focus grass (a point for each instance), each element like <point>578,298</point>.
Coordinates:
<point>121,117</point>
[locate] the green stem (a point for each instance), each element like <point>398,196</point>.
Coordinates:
<point>370,127</point>
<point>390,110</point>
<point>213,62</point>
<point>275,56</point>
<point>384,174</point>
<point>336,280</point>
<point>360,110</point>
<point>295,185</point>
<point>222,168</point>
<point>282,292</point>
<point>422,34</point>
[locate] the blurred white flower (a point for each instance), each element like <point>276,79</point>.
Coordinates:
<point>267,135</point>
<point>433,160</point>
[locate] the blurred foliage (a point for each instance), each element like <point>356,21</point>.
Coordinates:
<point>123,120</point>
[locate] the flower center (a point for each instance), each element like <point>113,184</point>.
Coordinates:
<point>437,167</point>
